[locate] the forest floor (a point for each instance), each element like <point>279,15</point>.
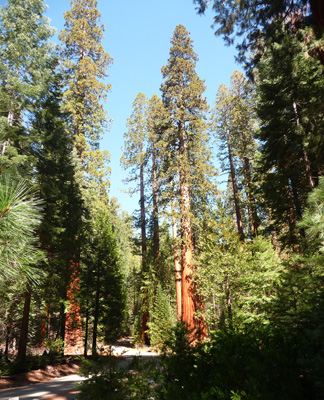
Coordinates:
<point>123,350</point>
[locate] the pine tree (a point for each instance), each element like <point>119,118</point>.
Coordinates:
<point>257,22</point>
<point>223,129</point>
<point>24,73</point>
<point>85,64</point>
<point>182,92</point>
<point>290,89</point>
<point>134,157</point>
<point>233,123</point>
<point>102,285</point>
<point>61,231</point>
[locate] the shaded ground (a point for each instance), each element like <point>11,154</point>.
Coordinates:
<point>39,375</point>
<point>60,382</point>
<point>63,388</point>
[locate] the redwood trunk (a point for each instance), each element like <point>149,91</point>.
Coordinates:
<point>188,304</point>
<point>73,329</point>
<point>177,266</point>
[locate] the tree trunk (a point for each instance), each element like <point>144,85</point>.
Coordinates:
<point>73,329</point>
<point>317,8</point>
<point>22,348</point>
<point>86,334</point>
<point>308,170</point>
<point>253,216</point>
<point>145,315</point>
<point>188,304</point>
<point>96,316</point>
<point>156,239</point>
<point>235,190</point>
<point>177,266</point>
<point>228,300</point>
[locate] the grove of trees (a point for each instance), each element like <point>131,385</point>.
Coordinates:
<point>228,276</point>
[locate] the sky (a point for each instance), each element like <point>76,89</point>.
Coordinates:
<point>137,37</point>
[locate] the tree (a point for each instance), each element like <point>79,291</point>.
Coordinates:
<point>257,21</point>
<point>59,182</point>
<point>134,157</point>
<point>19,218</point>
<point>85,67</point>
<point>182,92</point>
<point>290,103</point>
<point>223,130</point>
<point>85,64</point>
<point>19,251</point>
<point>102,286</point>
<point>156,122</point>
<point>24,73</point>
<point>233,123</point>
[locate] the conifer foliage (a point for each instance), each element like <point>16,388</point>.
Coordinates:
<point>182,93</point>
<point>85,65</point>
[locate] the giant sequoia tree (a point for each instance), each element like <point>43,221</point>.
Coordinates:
<point>182,92</point>
<point>85,67</point>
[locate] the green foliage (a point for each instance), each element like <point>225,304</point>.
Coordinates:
<point>161,319</point>
<point>290,100</point>
<point>20,216</point>
<point>312,220</point>
<point>101,280</point>
<point>256,22</point>
<point>24,75</point>
<point>85,66</point>
<point>116,382</point>
<point>238,280</point>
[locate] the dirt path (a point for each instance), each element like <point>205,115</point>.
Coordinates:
<point>64,388</point>
<point>49,384</point>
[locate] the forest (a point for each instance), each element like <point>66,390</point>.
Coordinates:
<point>226,280</point>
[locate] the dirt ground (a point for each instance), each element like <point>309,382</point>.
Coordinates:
<point>123,349</point>
<point>39,375</point>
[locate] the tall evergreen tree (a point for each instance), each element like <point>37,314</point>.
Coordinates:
<point>182,92</point>
<point>24,73</point>
<point>290,89</point>
<point>85,64</point>
<point>233,123</point>
<point>59,183</point>
<point>134,157</point>
<point>223,109</point>
<point>257,22</point>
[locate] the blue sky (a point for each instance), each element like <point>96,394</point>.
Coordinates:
<point>137,37</point>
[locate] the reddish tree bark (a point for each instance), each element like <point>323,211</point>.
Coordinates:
<point>188,304</point>
<point>177,266</point>
<point>73,343</point>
